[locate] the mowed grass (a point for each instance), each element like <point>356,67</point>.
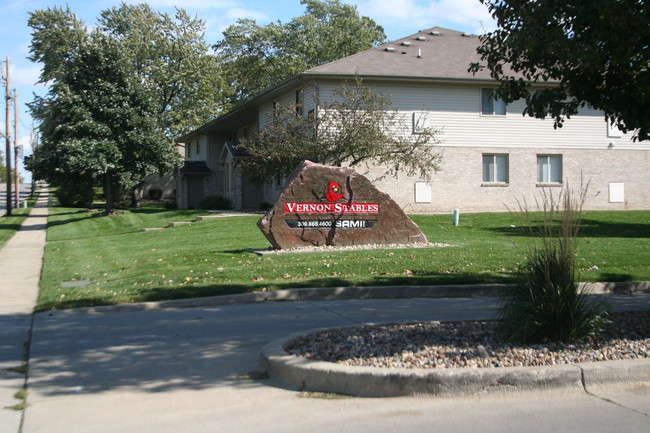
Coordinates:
<point>108,260</point>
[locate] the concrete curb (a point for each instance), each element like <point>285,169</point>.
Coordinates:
<point>306,375</point>
<point>349,293</point>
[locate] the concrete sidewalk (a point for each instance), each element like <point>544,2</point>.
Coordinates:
<point>20,265</point>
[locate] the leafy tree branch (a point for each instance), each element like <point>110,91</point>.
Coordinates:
<point>582,52</point>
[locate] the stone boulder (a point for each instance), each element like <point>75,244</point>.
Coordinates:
<point>335,206</point>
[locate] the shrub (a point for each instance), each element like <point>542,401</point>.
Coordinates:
<point>75,194</point>
<point>546,304</point>
<point>155,194</point>
<point>264,206</point>
<point>215,202</point>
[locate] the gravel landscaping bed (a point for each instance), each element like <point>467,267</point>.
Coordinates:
<point>338,248</point>
<point>469,345</point>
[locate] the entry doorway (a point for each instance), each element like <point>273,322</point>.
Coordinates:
<point>194,191</point>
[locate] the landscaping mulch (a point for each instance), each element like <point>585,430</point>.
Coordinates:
<point>469,344</point>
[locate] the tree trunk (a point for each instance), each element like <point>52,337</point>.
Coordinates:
<point>108,192</point>
<point>90,193</point>
<point>136,195</point>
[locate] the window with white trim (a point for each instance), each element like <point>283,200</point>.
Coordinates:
<point>495,168</point>
<point>549,168</point>
<point>421,122</point>
<point>613,131</point>
<point>491,105</point>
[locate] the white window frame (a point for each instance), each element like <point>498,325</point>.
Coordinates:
<point>492,106</point>
<point>421,122</point>
<point>496,168</point>
<point>547,171</point>
<point>613,131</point>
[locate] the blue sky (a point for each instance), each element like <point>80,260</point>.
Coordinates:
<point>398,17</point>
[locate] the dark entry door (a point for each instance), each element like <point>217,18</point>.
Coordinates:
<point>194,191</point>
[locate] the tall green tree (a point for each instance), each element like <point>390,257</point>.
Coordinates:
<point>56,35</point>
<point>118,94</point>
<point>255,57</point>
<point>358,126</point>
<point>97,125</point>
<point>597,52</point>
<point>171,55</point>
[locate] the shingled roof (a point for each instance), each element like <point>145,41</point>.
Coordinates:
<point>435,53</point>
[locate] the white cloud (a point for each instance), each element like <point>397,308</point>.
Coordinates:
<point>236,13</point>
<point>389,9</point>
<point>25,76</point>
<point>465,12</point>
<point>216,23</point>
<point>217,14</point>
<point>465,15</point>
<point>191,4</point>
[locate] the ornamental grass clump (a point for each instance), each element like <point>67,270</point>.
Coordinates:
<point>546,305</point>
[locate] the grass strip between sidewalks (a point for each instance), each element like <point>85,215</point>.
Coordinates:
<point>103,261</point>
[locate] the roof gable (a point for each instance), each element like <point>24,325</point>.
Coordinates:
<point>435,53</point>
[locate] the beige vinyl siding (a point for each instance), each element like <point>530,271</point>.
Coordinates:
<point>457,110</point>
<point>289,99</point>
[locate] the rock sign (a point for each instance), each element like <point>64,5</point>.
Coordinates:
<point>335,206</point>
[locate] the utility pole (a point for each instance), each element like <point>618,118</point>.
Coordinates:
<point>8,136</point>
<point>34,142</point>
<point>16,177</point>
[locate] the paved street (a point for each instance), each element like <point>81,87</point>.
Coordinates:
<point>25,189</point>
<point>184,370</point>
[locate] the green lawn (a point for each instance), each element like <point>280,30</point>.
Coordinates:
<point>209,258</point>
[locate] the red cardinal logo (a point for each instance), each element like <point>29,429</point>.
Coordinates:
<point>333,192</point>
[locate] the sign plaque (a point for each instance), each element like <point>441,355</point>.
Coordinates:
<point>335,206</point>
